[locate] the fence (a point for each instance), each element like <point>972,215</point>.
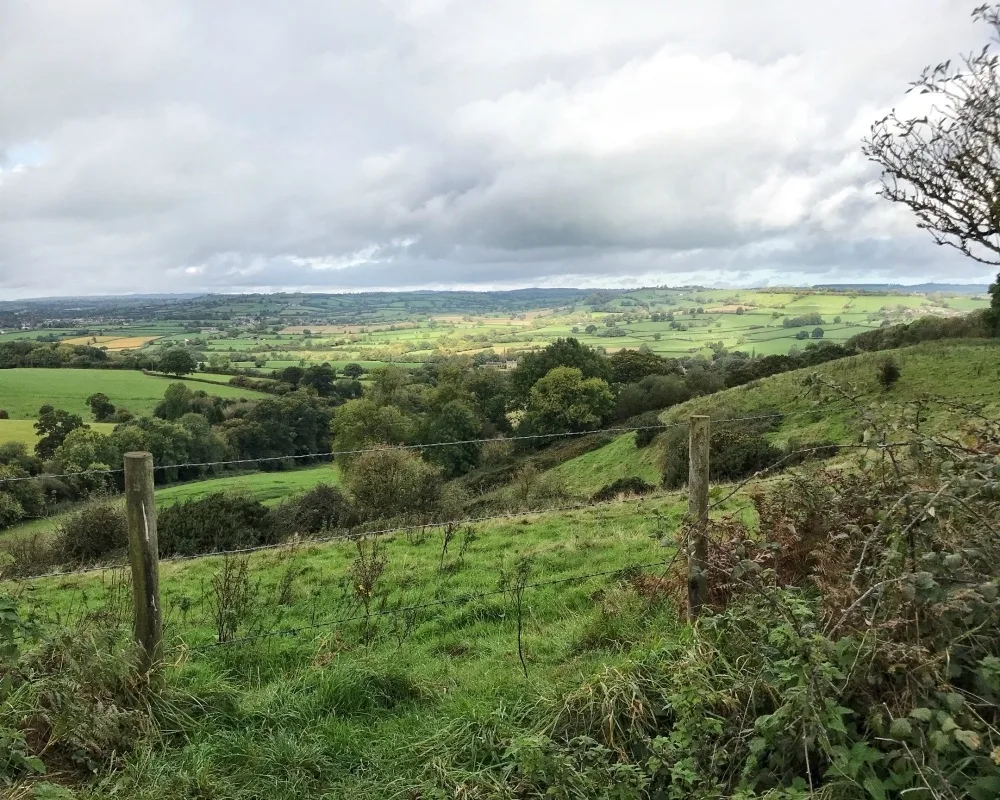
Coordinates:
<point>139,469</point>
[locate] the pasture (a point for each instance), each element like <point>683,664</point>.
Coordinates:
<point>24,391</point>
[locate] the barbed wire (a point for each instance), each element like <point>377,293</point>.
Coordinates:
<point>429,445</point>
<point>465,598</point>
<point>358,451</point>
<point>349,537</point>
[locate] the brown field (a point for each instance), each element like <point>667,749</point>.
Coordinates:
<point>130,342</point>
<point>725,309</point>
<point>113,342</point>
<point>89,340</point>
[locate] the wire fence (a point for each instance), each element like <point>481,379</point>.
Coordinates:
<point>426,446</point>
<point>350,536</point>
<point>469,597</point>
<point>474,596</point>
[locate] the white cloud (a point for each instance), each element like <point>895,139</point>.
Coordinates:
<point>185,146</point>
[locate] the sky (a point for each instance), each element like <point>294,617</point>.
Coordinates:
<point>247,145</point>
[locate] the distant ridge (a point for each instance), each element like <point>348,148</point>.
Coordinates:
<point>952,288</point>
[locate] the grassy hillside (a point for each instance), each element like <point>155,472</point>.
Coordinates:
<point>958,370</point>
<point>24,391</point>
<point>585,474</point>
<point>295,716</point>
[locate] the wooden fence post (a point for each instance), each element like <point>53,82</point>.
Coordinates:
<point>698,514</point>
<point>142,550</point>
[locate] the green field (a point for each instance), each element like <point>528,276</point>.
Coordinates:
<point>268,487</point>
<point>23,430</point>
<point>430,682</point>
<point>357,328</point>
<point>24,391</point>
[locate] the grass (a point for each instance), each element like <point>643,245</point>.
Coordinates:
<point>620,459</point>
<point>962,370</point>
<point>268,487</point>
<point>23,430</point>
<point>340,709</point>
<point>24,391</point>
<point>956,370</point>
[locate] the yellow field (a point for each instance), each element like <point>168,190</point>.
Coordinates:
<point>113,342</point>
<point>89,340</point>
<point>130,342</point>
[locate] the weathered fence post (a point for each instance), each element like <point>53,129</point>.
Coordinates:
<point>697,514</point>
<point>142,550</point>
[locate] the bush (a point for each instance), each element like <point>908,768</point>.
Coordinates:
<point>622,486</point>
<point>888,373</point>
<point>221,521</point>
<point>4,414</point>
<point>321,508</point>
<point>735,454</point>
<point>97,529</point>
<point>389,482</point>
<point>651,428</point>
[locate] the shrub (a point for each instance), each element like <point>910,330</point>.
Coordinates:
<point>97,529</point>
<point>631,485</point>
<point>389,482</point>
<point>650,428</point>
<point>4,414</point>
<point>888,373</point>
<point>734,453</point>
<point>221,521</point>
<point>321,508</point>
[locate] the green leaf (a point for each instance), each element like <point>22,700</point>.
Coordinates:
<point>874,787</point>
<point>900,728</point>
<point>922,714</point>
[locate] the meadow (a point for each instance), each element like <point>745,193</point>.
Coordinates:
<point>346,709</point>
<point>24,391</point>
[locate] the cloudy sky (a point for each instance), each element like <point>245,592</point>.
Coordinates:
<point>239,145</point>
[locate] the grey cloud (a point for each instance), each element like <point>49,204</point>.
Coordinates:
<point>244,145</point>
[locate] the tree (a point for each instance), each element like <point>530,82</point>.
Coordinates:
<point>802,335</point>
<point>590,329</point>
<point>353,371</point>
<point>561,353</point>
<point>453,422</point>
<point>363,423</point>
<point>943,164</point>
<point>563,401</point>
<point>101,407</point>
<point>319,377</point>
<point>177,361</point>
<point>817,333</point>
<point>740,311</point>
<point>54,425</point>
<point>291,375</point>
<point>993,315</point>
<point>630,366</point>
<point>888,373</point>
